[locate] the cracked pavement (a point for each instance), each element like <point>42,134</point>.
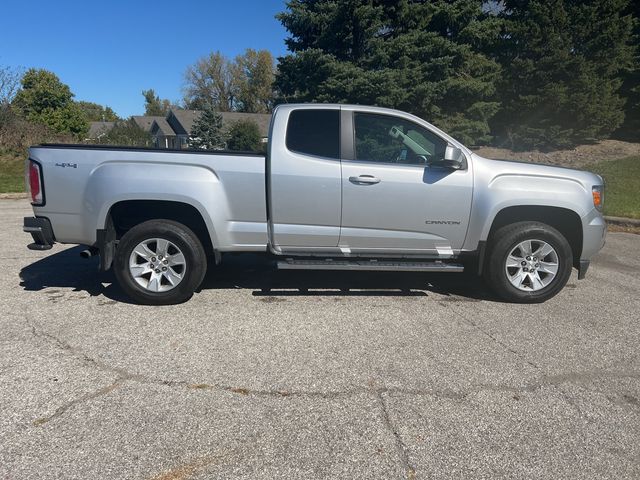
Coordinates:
<point>268,374</point>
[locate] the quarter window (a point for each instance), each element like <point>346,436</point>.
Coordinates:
<point>314,132</point>
<point>388,139</point>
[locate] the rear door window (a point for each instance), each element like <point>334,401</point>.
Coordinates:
<point>314,132</point>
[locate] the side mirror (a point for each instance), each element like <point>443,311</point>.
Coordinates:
<point>453,159</point>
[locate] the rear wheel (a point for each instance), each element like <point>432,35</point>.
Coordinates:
<point>528,262</point>
<point>160,262</point>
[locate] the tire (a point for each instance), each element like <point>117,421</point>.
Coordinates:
<point>168,264</point>
<point>522,259</point>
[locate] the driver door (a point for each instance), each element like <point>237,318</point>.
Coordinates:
<point>392,202</point>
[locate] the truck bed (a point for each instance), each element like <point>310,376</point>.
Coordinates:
<point>83,182</point>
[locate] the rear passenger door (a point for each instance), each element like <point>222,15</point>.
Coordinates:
<point>305,198</point>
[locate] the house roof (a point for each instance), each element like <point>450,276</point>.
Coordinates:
<point>186,118</point>
<point>145,121</point>
<point>160,126</point>
<point>262,119</point>
<point>97,129</point>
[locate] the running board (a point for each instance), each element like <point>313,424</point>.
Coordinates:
<point>374,265</point>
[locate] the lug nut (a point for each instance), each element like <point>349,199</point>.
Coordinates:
<point>157,270</point>
<point>164,269</point>
<point>154,259</point>
<point>525,269</point>
<point>165,262</point>
<point>537,265</point>
<point>528,257</point>
<point>523,263</point>
<point>160,257</point>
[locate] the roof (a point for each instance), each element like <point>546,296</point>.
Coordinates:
<point>97,129</point>
<point>262,119</point>
<point>145,121</point>
<point>186,119</point>
<point>161,126</point>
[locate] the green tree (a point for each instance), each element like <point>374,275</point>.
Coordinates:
<point>206,132</point>
<point>424,57</point>
<point>97,113</point>
<point>154,105</point>
<point>126,133</point>
<point>212,81</point>
<point>242,84</point>
<point>256,82</point>
<point>44,99</point>
<point>562,61</point>
<point>245,135</point>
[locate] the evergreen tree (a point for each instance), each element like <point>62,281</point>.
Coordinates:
<point>244,135</point>
<point>206,132</point>
<point>421,56</point>
<point>562,61</point>
<point>630,90</point>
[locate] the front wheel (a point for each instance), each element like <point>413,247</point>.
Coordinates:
<point>160,262</point>
<point>528,262</point>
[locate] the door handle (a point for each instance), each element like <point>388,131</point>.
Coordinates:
<point>367,179</point>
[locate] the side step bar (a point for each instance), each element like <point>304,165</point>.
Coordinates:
<point>372,265</point>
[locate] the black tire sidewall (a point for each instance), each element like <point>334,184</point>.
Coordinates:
<point>505,241</point>
<point>184,239</point>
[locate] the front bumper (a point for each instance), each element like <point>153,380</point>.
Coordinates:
<point>41,231</point>
<point>594,235</point>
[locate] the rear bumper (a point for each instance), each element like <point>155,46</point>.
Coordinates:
<point>41,232</point>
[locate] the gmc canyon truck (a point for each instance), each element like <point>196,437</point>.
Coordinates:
<point>342,187</point>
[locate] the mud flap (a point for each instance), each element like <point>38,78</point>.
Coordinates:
<point>106,243</point>
<point>582,269</point>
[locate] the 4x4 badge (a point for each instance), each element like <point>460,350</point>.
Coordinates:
<point>64,165</point>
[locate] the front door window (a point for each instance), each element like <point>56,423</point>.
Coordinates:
<point>388,139</point>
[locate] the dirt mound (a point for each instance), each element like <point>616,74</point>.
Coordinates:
<point>578,157</point>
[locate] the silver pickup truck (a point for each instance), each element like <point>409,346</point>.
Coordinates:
<point>342,187</point>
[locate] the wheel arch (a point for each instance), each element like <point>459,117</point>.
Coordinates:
<point>125,214</point>
<point>565,220</point>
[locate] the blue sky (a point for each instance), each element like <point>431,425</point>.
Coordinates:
<point>109,51</point>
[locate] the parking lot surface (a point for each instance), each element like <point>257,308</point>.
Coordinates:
<point>268,374</point>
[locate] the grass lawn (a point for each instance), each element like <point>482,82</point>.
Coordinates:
<point>11,172</point>
<point>622,193</point>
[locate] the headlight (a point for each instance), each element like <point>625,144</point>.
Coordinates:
<point>597,191</point>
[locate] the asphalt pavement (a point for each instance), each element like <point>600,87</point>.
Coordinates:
<point>287,374</point>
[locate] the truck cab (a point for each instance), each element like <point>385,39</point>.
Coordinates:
<point>354,181</point>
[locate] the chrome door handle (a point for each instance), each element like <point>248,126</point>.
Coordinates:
<point>368,179</point>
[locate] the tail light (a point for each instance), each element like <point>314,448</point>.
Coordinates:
<point>35,184</point>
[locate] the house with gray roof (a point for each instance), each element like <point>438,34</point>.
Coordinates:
<point>98,129</point>
<point>145,121</point>
<point>174,130</point>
